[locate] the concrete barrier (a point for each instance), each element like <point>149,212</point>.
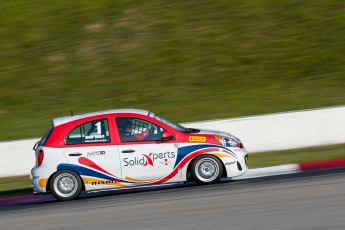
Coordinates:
<point>268,132</point>
<point>283,131</point>
<point>17,157</point>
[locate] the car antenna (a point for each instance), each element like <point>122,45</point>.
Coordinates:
<point>72,113</point>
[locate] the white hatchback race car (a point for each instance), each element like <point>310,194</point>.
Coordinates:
<point>129,148</point>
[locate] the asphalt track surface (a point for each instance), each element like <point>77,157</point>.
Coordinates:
<point>297,201</point>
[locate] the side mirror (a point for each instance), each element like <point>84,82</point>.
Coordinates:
<point>166,135</point>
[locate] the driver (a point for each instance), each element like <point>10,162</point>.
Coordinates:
<point>126,131</point>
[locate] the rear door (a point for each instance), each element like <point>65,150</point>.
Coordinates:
<point>89,150</point>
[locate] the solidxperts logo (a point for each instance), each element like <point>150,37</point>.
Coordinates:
<point>149,159</point>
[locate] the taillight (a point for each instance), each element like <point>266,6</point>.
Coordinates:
<point>40,157</point>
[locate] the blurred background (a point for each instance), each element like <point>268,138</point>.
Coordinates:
<point>184,60</point>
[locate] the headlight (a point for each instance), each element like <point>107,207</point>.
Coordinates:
<point>229,142</point>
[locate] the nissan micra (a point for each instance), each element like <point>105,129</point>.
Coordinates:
<point>126,148</point>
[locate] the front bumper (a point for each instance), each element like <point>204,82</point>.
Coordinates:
<point>237,167</point>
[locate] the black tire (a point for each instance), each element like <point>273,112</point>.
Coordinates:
<point>65,185</point>
<point>206,169</point>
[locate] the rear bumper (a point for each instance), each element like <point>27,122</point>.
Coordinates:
<point>39,180</point>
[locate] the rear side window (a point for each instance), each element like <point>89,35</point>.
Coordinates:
<point>46,135</point>
<point>96,131</point>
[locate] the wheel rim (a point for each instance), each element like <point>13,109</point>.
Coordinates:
<point>207,169</point>
<point>65,185</point>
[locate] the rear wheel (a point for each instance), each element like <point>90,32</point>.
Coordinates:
<point>206,169</point>
<point>65,185</point>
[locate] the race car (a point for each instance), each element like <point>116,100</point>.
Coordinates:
<point>126,148</point>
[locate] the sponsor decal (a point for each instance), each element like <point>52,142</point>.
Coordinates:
<point>96,136</point>
<point>239,150</point>
<point>104,182</point>
<point>95,153</point>
<point>95,141</point>
<point>149,159</point>
<point>230,163</point>
<point>197,139</point>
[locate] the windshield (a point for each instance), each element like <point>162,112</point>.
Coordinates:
<point>172,124</point>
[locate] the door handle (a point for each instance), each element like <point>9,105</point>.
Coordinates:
<point>74,154</point>
<point>128,151</point>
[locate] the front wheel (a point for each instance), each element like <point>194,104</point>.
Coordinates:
<point>206,169</point>
<point>65,185</point>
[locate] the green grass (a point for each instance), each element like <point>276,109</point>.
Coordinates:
<point>15,185</point>
<point>21,184</point>
<point>294,156</point>
<point>185,60</point>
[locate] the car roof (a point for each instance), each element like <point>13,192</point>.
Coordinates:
<point>62,120</point>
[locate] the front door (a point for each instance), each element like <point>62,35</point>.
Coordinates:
<point>144,157</point>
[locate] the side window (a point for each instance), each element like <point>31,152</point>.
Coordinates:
<point>133,129</point>
<point>91,132</point>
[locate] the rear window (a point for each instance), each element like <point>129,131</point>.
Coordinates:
<point>46,135</point>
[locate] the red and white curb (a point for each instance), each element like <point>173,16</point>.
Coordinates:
<point>293,168</point>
